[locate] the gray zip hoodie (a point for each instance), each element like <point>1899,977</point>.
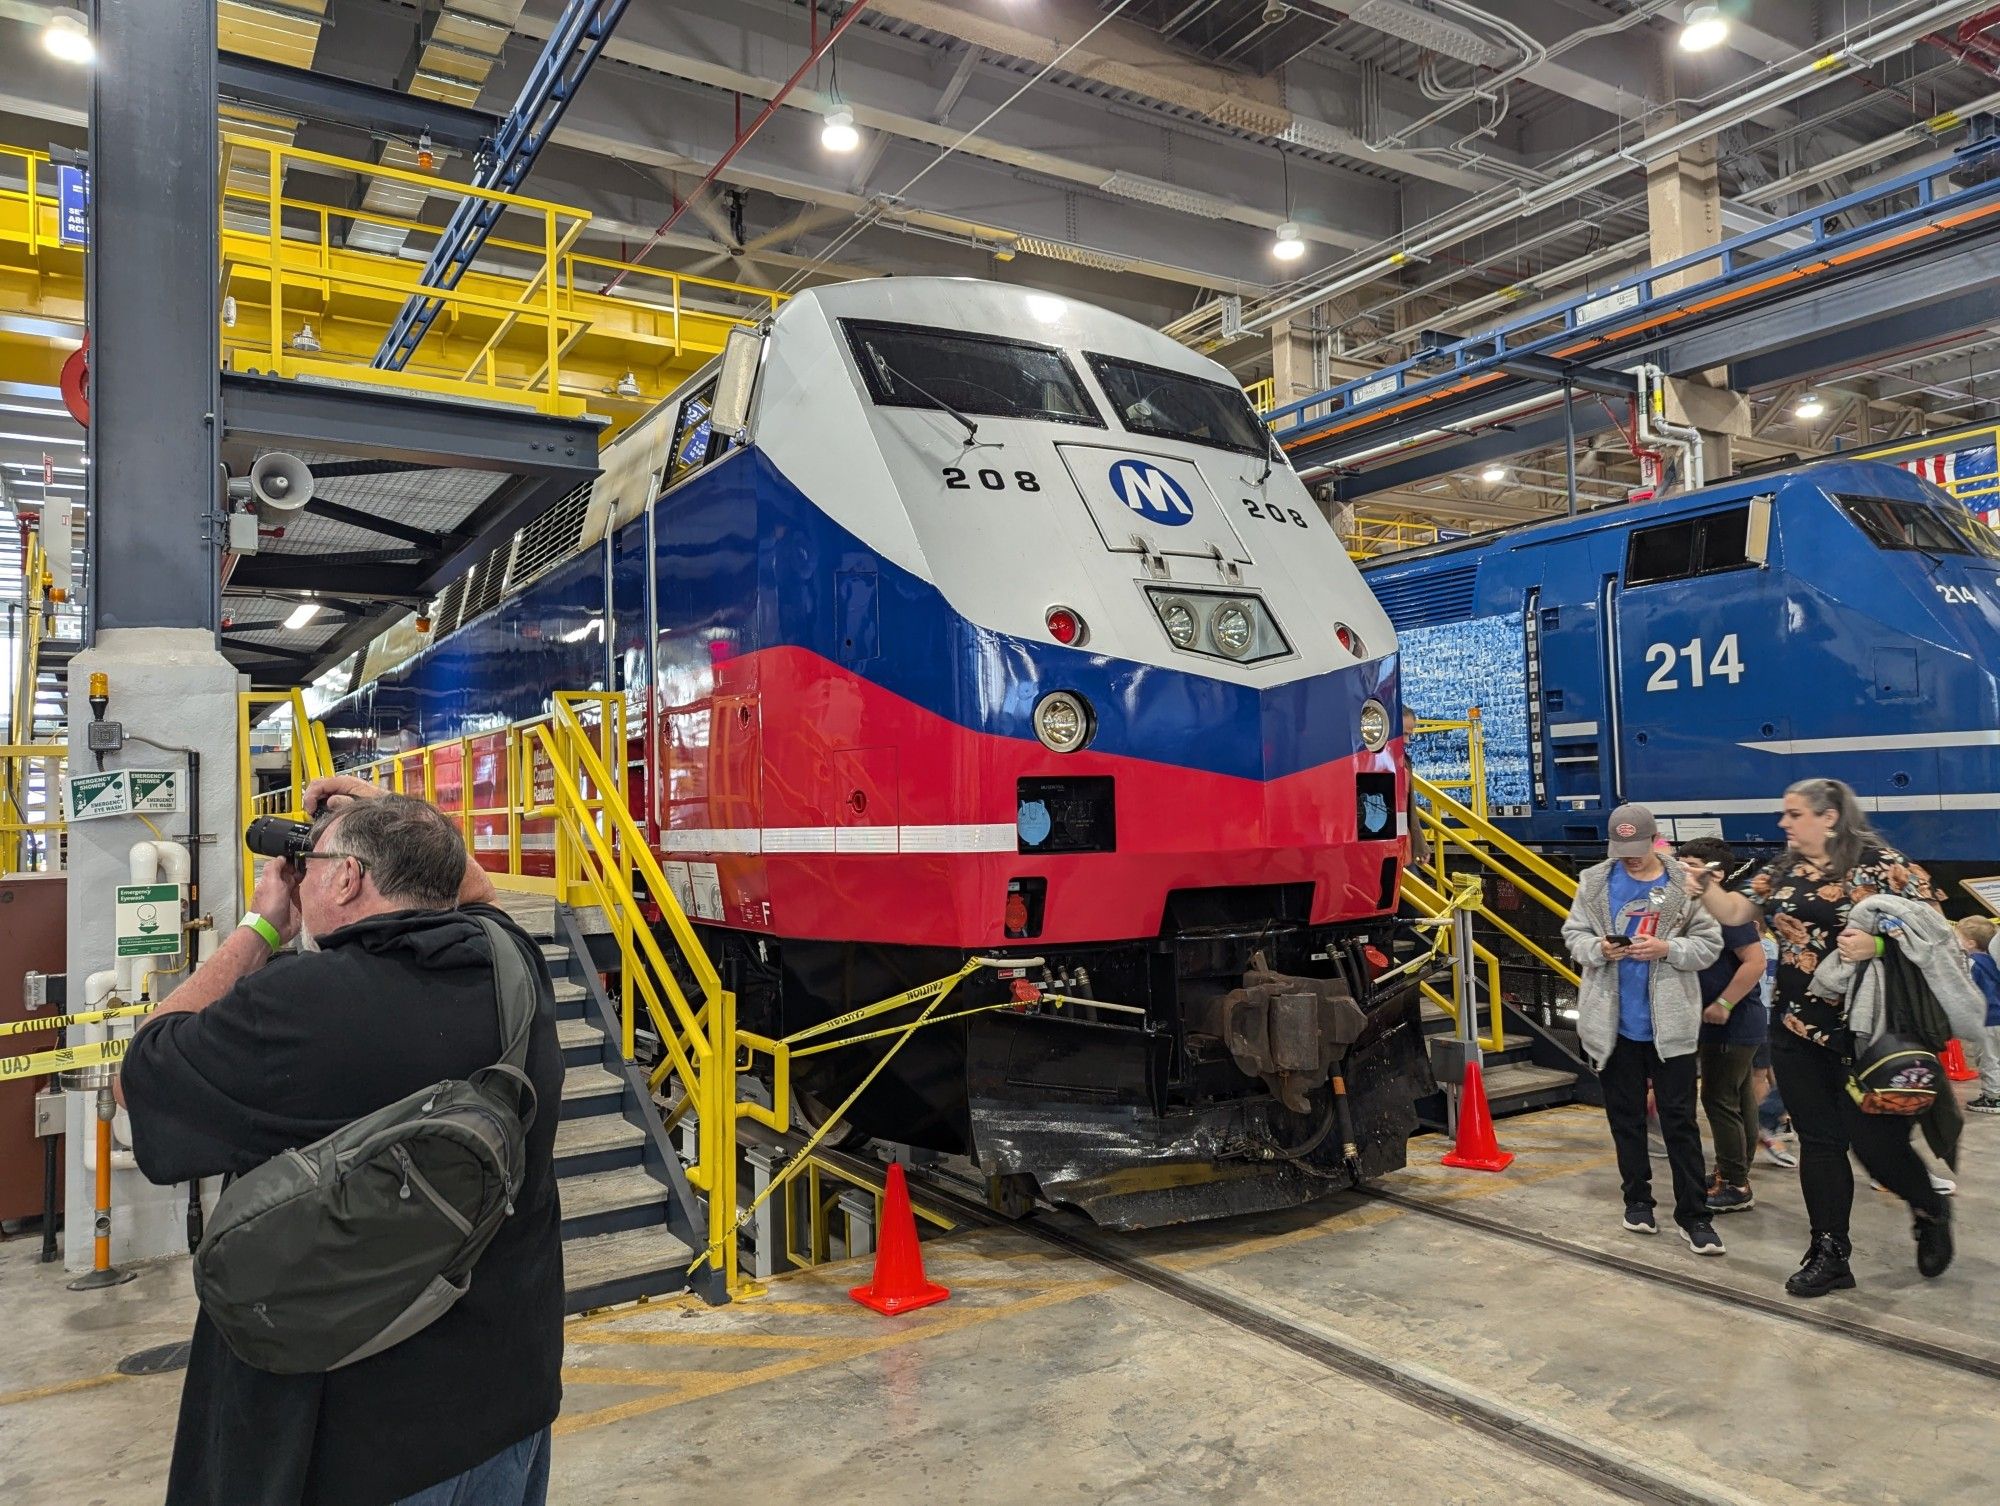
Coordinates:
<point>1693,941</point>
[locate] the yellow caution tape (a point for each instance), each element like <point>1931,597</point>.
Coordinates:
<point>64,1021</point>
<point>63,1060</point>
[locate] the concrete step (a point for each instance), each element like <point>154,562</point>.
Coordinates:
<point>578,1032</point>
<point>596,1142</point>
<point>1516,1087</point>
<point>623,1267</point>
<point>590,1089</point>
<point>605,1202</point>
<point>571,1000</point>
<point>555,953</point>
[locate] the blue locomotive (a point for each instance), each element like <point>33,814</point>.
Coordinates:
<point>1700,653</point>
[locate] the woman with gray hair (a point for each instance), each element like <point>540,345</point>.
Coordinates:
<point>1833,861</point>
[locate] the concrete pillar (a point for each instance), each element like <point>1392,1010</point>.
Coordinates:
<point>151,602</point>
<point>170,685</point>
<point>1683,215</point>
<point>1296,369</point>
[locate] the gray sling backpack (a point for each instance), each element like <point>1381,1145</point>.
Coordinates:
<point>329,1254</point>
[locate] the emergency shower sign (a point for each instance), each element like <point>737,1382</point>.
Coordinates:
<point>121,792</point>
<point>149,920</point>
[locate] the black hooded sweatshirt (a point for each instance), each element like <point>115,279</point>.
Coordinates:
<point>293,1052</point>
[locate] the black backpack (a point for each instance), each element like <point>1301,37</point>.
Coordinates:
<point>329,1254</point>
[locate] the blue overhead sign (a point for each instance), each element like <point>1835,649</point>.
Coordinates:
<point>73,196</point>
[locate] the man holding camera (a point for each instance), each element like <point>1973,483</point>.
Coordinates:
<point>393,989</point>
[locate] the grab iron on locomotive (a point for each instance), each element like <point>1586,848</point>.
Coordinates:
<point>994,625</point>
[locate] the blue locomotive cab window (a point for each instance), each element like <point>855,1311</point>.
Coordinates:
<point>909,366</point>
<point>1173,405</point>
<point>695,443</point>
<point>1892,523</point>
<point>1689,547</point>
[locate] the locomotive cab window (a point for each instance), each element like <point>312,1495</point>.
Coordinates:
<point>1172,405</point>
<point>907,366</point>
<point>1892,523</point>
<point>695,443</point>
<point>1689,547</point>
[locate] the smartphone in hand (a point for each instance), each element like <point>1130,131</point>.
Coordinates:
<point>1617,941</point>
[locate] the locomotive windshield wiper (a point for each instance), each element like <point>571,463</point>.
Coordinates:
<point>971,429</point>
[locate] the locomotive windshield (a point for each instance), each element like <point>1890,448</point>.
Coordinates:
<point>1171,405</point>
<point>907,366</point>
<point>1894,524</point>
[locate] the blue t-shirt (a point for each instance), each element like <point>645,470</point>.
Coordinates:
<point>1986,973</point>
<point>1749,1022</point>
<point>1632,901</point>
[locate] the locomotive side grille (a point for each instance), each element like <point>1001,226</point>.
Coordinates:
<point>482,594</point>
<point>1423,600</point>
<point>450,607</point>
<point>551,538</point>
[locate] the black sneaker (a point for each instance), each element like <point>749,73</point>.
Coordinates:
<point>1639,1219</point>
<point>1702,1238</point>
<point>1933,1241</point>
<point>1824,1269</point>
<point>1723,1198</point>
<point>1985,1103</point>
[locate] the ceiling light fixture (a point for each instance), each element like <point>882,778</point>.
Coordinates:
<point>1812,405</point>
<point>628,386</point>
<point>66,35</point>
<point>1493,474</point>
<point>838,133</point>
<point>1289,244</point>
<point>1703,28</point>
<point>303,613</point>
<point>305,340</point>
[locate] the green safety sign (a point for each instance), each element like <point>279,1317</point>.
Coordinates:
<point>88,796</point>
<point>155,790</point>
<point>149,920</point>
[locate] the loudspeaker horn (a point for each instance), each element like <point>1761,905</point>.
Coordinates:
<point>281,482</point>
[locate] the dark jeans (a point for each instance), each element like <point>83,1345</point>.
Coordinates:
<point>1828,1122</point>
<point>516,1476</point>
<point>1731,1105</point>
<point>1624,1079</point>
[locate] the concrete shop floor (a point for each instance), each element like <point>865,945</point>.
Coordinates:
<point>1047,1379</point>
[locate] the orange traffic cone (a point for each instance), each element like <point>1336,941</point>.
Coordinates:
<point>1955,1066</point>
<point>899,1285</point>
<point>1477,1149</point>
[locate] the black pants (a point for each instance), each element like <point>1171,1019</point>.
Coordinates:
<point>1624,1078</point>
<point>1828,1122</point>
<point>1731,1105</point>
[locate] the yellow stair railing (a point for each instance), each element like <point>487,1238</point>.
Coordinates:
<point>23,756</point>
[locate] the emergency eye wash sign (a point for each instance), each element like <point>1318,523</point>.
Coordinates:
<point>125,792</point>
<point>149,920</point>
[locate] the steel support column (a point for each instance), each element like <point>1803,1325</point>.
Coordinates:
<point>154,361</point>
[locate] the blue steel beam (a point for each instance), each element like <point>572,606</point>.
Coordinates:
<point>1456,374</point>
<point>551,84</point>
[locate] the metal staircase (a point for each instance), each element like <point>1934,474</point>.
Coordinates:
<point>630,1221</point>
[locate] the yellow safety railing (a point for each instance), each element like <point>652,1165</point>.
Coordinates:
<point>1473,786</point>
<point>308,757</point>
<point>28,216</point>
<point>1263,395</point>
<point>1367,537</point>
<point>28,844</point>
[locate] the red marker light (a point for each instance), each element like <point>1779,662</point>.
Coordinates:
<point>1065,626</point>
<point>1349,639</point>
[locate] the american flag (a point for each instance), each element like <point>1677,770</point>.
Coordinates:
<point>1972,474</point>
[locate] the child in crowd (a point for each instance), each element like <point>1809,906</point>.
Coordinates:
<point>1976,934</point>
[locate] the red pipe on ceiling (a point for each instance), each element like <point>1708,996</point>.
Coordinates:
<point>819,49</point>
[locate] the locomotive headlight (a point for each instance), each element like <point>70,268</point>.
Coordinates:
<point>1062,721</point>
<point>1232,630</point>
<point>1178,618</point>
<point>1374,726</point>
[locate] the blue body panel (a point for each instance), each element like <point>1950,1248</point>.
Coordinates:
<point>744,561</point>
<point>1705,697</point>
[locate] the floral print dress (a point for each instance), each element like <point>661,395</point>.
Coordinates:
<point>1806,909</point>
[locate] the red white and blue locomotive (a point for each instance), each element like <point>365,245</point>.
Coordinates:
<point>1001,629</point>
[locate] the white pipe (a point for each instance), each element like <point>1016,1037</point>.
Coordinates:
<point>1654,428</point>
<point>98,989</point>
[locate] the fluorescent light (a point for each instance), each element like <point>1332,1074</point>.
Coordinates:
<point>1702,28</point>
<point>838,133</point>
<point>1493,473</point>
<point>1812,405</point>
<point>1289,245</point>
<point>41,439</point>
<point>66,35</point>
<point>303,613</point>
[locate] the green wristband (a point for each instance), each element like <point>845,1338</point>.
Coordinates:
<point>1881,946</point>
<point>255,922</point>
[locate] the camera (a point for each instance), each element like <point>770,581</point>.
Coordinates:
<point>275,837</point>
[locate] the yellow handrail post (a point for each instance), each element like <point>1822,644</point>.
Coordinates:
<point>520,786</point>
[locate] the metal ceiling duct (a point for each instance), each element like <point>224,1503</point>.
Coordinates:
<point>458,55</point>
<point>278,31</point>
<point>1412,23</point>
